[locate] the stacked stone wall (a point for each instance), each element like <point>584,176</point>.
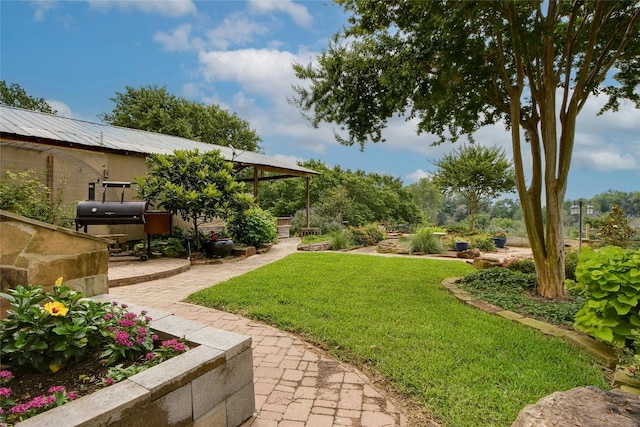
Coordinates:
<point>37,253</point>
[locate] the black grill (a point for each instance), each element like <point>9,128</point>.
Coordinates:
<point>94,212</point>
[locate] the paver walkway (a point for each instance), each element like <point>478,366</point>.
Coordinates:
<point>296,384</point>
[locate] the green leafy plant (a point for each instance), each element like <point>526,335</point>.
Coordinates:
<point>483,242</point>
<point>254,227</point>
<point>425,241</point>
<point>340,240</point>
<point>523,265</point>
<point>50,330</point>
<point>611,277</point>
<point>45,330</point>
<point>24,194</point>
<point>615,229</point>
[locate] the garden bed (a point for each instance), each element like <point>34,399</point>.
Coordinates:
<point>209,385</point>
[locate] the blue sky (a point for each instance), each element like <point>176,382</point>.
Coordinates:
<point>238,54</point>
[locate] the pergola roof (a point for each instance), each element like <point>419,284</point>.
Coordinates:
<point>31,126</point>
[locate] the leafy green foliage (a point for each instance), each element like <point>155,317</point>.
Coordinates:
<point>45,338</point>
<point>611,277</point>
<point>524,265</point>
<point>22,193</point>
<point>424,241</point>
<point>478,173</point>
<point>340,240</point>
<point>152,108</point>
<point>512,290</point>
<point>483,242</point>
<point>198,186</point>
<point>615,229</point>
<point>454,67</point>
<point>15,96</point>
<point>340,196</point>
<point>253,227</point>
<point>367,235</point>
<point>467,367</point>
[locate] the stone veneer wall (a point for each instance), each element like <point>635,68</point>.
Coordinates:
<point>37,253</point>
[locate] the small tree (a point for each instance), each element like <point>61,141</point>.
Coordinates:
<point>479,174</point>
<point>198,186</point>
<point>615,229</point>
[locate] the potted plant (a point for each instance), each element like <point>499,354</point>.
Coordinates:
<point>218,245</point>
<point>500,238</point>
<point>462,245</point>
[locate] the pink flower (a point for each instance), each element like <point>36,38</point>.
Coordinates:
<point>57,389</point>
<point>19,409</point>
<point>122,338</point>
<point>155,337</point>
<point>71,395</point>
<point>7,375</point>
<point>5,392</point>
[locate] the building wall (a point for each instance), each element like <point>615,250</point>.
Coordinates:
<point>37,253</point>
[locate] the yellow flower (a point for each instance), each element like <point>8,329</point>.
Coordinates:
<point>59,281</point>
<point>56,308</point>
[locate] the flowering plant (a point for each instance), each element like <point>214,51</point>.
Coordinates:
<point>500,234</point>
<point>11,412</point>
<point>47,330</point>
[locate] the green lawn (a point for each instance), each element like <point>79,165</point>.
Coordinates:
<point>467,367</point>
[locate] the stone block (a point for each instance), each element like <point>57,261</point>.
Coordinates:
<point>241,406</point>
<point>229,342</point>
<point>600,351</point>
<point>14,236</point>
<point>216,417</point>
<point>179,370</point>
<point>173,409</point>
<point>98,409</point>
<point>176,326</point>
<point>584,407</point>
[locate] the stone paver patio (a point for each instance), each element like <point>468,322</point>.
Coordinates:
<point>296,384</point>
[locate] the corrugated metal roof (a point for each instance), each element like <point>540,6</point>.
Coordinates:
<point>33,124</point>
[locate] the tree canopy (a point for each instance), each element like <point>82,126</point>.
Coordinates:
<point>455,66</point>
<point>152,108</point>
<point>14,95</point>
<point>198,186</point>
<point>356,197</point>
<point>477,173</point>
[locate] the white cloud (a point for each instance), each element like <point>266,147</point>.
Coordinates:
<point>178,39</point>
<point>236,29</point>
<point>62,109</point>
<point>297,12</point>
<point>171,8</point>
<point>259,71</point>
<point>416,176</point>
<point>41,8</point>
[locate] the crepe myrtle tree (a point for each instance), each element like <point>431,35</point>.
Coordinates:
<point>198,186</point>
<point>455,66</point>
<point>479,174</point>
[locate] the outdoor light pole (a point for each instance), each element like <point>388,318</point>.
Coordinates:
<point>576,209</point>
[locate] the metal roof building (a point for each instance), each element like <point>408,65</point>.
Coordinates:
<point>30,126</point>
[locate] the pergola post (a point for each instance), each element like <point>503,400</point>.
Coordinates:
<point>308,201</point>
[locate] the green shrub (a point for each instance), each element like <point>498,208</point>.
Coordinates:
<point>525,265</point>
<point>615,229</point>
<point>340,240</point>
<point>327,224</point>
<point>253,227</point>
<point>511,290</point>
<point>425,241</point>
<point>25,195</point>
<point>611,277</point>
<point>483,242</point>
<point>570,264</point>
<point>375,231</point>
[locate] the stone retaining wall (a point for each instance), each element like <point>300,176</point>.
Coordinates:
<point>37,253</point>
<point>210,385</point>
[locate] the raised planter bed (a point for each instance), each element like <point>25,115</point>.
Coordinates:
<point>210,385</point>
